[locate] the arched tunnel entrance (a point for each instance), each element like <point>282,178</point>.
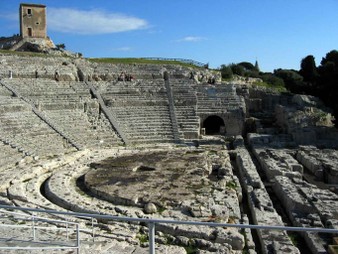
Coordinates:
<point>214,125</point>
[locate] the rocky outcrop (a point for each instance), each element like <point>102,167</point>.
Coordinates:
<point>260,204</point>
<point>307,206</point>
<point>321,163</point>
<point>308,121</point>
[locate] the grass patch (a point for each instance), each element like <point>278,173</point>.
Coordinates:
<point>143,238</point>
<point>191,249</point>
<point>295,238</point>
<point>161,210</point>
<point>21,222</point>
<point>140,61</point>
<point>30,54</point>
<point>231,185</point>
<point>280,89</point>
<point>106,60</point>
<point>193,152</point>
<point>212,152</point>
<point>228,80</point>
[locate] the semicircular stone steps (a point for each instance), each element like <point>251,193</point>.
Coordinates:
<point>62,193</point>
<point>25,192</point>
<point>61,189</point>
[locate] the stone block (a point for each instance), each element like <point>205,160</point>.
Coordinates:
<point>231,237</point>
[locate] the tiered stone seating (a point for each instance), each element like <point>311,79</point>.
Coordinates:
<point>141,109</point>
<point>107,71</point>
<point>47,93</point>
<point>217,98</point>
<point>145,124</point>
<point>142,92</point>
<point>68,105</point>
<point>25,131</point>
<point>185,104</point>
<point>32,67</point>
<point>9,155</point>
<point>28,133</point>
<point>88,131</point>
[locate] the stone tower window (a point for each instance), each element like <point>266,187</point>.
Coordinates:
<point>29,12</point>
<point>29,32</point>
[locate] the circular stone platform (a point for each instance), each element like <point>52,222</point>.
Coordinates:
<point>164,178</point>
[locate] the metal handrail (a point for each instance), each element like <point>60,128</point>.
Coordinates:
<point>152,223</point>
<point>182,60</point>
<point>34,226</point>
<point>42,219</point>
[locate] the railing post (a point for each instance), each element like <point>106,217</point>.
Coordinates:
<point>93,233</point>
<point>67,234</point>
<point>78,238</point>
<point>151,228</point>
<point>33,227</point>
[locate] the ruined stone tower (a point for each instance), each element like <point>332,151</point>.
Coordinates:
<point>33,21</point>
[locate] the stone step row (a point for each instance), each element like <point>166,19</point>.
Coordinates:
<point>260,204</point>
<point>25,192</point>
<point>301,212</point>
<point>84,132</point>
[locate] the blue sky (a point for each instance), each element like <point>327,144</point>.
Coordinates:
<point>278,33</point>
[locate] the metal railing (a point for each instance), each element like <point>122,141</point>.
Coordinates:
<point>182,60</point>
<point>30,225</point>
<point>153,222</point>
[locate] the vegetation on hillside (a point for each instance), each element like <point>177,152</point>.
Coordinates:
<point>320,81</point>
<point>23,53</point>
<point>140,61</point>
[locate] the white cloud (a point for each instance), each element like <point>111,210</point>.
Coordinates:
<point>91,22</point>
<point>123,49</point>
<point>10,16</point>
<point>191,39</point>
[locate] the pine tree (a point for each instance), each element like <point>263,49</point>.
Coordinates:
<point>257,66</point>
<point>308,69</point>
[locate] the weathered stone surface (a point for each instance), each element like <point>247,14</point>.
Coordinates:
<point>302,199</point>
<point>305,121</point>
<point>221,212</point>
<point>260,204</point>
<point>200,187</point>
<point>231,237</point>
<point>150,208</point>
<point>322,163</point>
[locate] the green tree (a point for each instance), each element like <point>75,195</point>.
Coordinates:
<point>309,72</point>
<point>332,56</point>
<point>328,71</point>
<point>226,71</point>
<point>272,79</point>
<point>249,70</point>
<point>247,66</point>
<point>257,66</point>
<point>308,69</point>
<point>328,81</point>
<point>237,69</point>
<point>60,46</point>
<point>293,81</point>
